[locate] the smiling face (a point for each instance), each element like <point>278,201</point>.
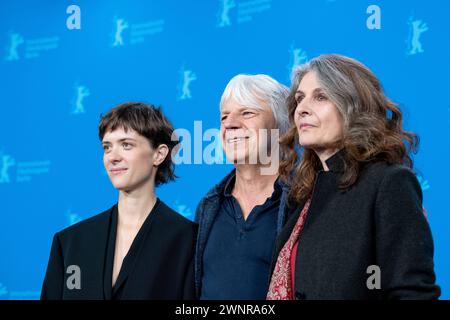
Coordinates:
<point>240,127</point>
<point>318,121</point>
<point>129,159</point>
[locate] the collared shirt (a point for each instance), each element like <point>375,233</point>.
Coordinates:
<point>238,252</point>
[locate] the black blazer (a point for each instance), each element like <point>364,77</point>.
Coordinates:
<point>159,264</point>
<point>378,221</point>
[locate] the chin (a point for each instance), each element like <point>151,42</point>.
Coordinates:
<point>239,159</point>
<point>234,159</point>
<point>119,185</point>
<point>237,155</point>
<point>306,143</point>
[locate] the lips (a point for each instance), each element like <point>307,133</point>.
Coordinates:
<point>306,126</point>
<point>236,139</point>
<point>118,170</point>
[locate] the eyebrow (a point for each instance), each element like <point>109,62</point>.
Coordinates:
<point>241,109</point>
<point>120,140</point>
<point>316,90</point>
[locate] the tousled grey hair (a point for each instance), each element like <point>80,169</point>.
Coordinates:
<point>250,90</point>
<point>336,85</point>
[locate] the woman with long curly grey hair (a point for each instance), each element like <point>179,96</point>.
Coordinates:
<point>356,228</point>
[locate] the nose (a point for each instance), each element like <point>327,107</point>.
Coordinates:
<point>231,122</point>
<point>114,156</point>
<point>303,109</point>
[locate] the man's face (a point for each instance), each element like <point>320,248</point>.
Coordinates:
<point>244,131</point>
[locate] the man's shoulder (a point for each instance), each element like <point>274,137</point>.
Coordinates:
<point>214,195</point>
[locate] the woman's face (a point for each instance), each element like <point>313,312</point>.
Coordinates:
<point>318,121</point>
<point>129,159</point>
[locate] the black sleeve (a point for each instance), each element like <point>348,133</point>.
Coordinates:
<point>404,245</point>
<point>189,280</point>
<point>54,277</point>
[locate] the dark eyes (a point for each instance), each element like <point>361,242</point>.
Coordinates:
<point>318,97</point>
<point>299,99</point>
<point>125,146</point>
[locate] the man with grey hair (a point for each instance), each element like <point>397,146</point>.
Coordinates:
<point>241,216</point>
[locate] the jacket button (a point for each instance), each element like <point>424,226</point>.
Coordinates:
<point>300,295</point>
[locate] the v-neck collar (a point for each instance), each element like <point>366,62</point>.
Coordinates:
<point>132,255</point>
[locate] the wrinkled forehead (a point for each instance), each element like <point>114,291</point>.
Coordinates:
<point>310,81</point>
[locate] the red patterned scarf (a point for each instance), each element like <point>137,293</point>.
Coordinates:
<point>281,283</point>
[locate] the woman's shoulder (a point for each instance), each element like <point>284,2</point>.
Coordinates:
<point>175,219</point>
<point>385,175</point>
<point>90,225</point>
<point>383,170</point>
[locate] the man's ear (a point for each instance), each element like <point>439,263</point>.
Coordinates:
<point>160,154</point>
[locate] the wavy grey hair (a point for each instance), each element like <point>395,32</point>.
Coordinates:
<point>250,90</point>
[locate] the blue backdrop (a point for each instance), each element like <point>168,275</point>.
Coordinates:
<point>62,66</point>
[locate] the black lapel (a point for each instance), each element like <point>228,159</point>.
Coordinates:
<point>292,216</point>
<point>94,253</point>
<point>109,259</point>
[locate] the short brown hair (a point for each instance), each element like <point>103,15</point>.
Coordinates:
<point>148,121</point>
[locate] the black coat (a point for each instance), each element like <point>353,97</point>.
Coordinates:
<point>378,221</point>
<point>159,264</point>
